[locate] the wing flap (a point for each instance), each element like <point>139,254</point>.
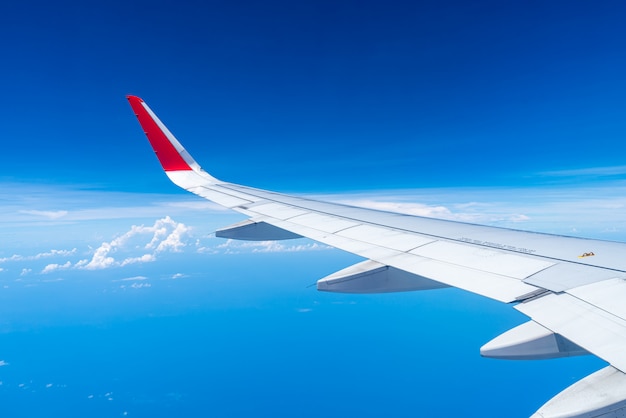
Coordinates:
<point>589,316</point>
<point>607,295</point>
<point>564,276</point>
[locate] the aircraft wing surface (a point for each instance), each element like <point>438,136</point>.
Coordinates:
<point>573,289</point>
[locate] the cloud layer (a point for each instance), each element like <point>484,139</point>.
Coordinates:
<point>596,212</point>
<point>236,247</point>
<point>166,235</point>
<point>145,244</point>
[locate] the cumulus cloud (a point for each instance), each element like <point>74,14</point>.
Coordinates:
<point>146,258</point>
<point>166,235</point>
<point>168,241</point>
<point>3,363</point>
<point>54,267</point>
<point>140,244</point>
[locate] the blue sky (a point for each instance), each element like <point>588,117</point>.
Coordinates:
<point>509,114</point>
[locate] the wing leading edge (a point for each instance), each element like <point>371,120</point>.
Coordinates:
<point>571,288</point>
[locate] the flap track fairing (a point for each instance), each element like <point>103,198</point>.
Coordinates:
<point>250,230</point>
<point>530,341</point>
<point>372,277</point>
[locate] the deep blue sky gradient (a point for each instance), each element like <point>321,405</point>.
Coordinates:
<point>482,106</point>
<point>368,94</point>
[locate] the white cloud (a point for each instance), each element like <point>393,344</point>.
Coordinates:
<point>52,253</point>
<point>58,279</point>
<point>100,258</point>
<point>54,267</point>
<point>472,212</point>
<point>32,205</point>
<point>587,172</point>
<point>3,363</point>
<point>48,214</point>
<point>140,285</point>
<point>235,247</point>
<point>139,244</point>
<point>132,279</point>
<point>47,254</point>
<point>595,211</point>
<point>591,211</point>
<point>417,209</point>
<point>14,257</point>
<point>136,286</point>
<point>207,250</point>
<point>173,242</point>
<point>166,234</point>
<point>146,258</point>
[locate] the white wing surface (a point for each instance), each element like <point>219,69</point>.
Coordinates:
<point>573,289</point>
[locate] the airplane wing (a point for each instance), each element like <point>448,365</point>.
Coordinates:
<point>572,289</point>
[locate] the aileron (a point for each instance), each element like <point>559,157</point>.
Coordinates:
<point>585,324</point>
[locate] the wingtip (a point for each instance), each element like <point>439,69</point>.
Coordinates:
<point>132,98</point>
<point>164,144</point>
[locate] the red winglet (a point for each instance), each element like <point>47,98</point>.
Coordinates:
<point>166,152</point>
